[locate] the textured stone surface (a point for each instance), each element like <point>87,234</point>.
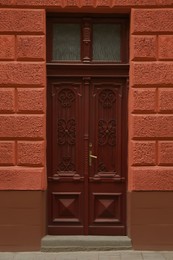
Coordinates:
<point>30,153</point>
<point>7,100</point>
<point>143,100</point>
<point>143,153</point>
<point>21,178</point>
<point>22,73</point>
<point>165,100</point>
<point>152,73</point>
<point>165,153</point>
<point>151,126</point>
<point>143,48</point>
<point>23,126</point>
<point>20,20</point>
<point>7,153</point>
<point>152,178</point>
<point>30,47</point>
<point>30,100</point>
<point>7,49</point>
<point>165,47</point>
<point>147,21</point>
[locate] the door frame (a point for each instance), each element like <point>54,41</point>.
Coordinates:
<point>70,70</point>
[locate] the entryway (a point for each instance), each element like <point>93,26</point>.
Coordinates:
<point>87,126</point>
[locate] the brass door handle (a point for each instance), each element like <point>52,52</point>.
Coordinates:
<point>93,156</point>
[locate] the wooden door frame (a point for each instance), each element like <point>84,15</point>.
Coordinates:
<point>87,70</point>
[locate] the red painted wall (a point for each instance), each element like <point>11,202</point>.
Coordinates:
<point>23,84</point>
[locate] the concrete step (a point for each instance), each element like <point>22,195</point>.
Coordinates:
<point>84,243</point>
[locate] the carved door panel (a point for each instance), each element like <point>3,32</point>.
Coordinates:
<point>107,189</point>
<point>87,156</point>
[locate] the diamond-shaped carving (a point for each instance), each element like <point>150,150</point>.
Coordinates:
<point>107,207</point>
<point>65,207</point>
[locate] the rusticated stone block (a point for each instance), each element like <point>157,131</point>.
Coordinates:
<point>22,73</point>
<point>165,47</point>
<point>152,178</point>
<point>165,3</point>
<point>165,100</point>
<point>152,73</point>
<point>30,47</point>
<point>21,178</point>
<point>39,3</point>
<point>151,126</point>
<point>143,153</point>
<point>7,100</point>
<point>131,3</point>
<point>22,20</point>
<point>143,47</point>
<point>7,49</point>
<point>147,21</point>
<point>7,2</point>
<point>30,99</point>
<point>22,126</point>
<point>30,153</point>
<point>165,153</point>
<point>143,100</point>
<point>7,153</point>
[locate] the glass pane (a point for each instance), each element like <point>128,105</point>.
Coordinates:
<point>106,42</point>
<point>66,42</point>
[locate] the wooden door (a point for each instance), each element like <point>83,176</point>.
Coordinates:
<point>87,155</point>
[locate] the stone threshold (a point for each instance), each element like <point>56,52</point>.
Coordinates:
<point>84,243</point>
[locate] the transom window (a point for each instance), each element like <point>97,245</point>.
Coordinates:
<point>88,40</point>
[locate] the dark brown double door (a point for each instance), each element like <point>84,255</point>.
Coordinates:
<point>87,155</point>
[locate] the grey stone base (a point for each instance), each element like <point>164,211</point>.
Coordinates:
<point>84,243</point>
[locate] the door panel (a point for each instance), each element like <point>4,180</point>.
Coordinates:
<point>87,156</point>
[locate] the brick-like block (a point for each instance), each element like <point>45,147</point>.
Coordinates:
<point>165,47</point>
<point>22,178</point>
<point>22,73</point>
<point>138,3</point>
<point>30,47</point>
<point>22,126</point>
<point>143,153</point>
<point>151,73</point>
<point>40,3</point>
<point>30,100</point>
<point>143,47</point>
<point>148,21</point>
<point>7,2</point>
<point>7,153</point>
<point>165,151</point>
<point>7,100</point>
<point>151,126</point>
<point>165,3</point>
<point>7,47</point>
<point>165,101</point>
<point>22,20</point>
<point>152,178</point>
<point>143,100</point>
<point>30,153</point>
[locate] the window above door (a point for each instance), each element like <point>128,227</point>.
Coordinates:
<point>87,40</point>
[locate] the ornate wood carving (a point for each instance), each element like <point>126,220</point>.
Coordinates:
<point>107,132</point>
<point>66,164</point>
<point>66,132</point>
<point>66,97</point>
<point>107,98</point>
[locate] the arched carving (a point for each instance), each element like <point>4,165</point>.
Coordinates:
<point>66,97</point>
<point>107,98</point>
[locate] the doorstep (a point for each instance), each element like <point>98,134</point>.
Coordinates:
<point>84,243</point>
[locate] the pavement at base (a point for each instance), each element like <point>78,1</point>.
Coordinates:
<point>98,255</point>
